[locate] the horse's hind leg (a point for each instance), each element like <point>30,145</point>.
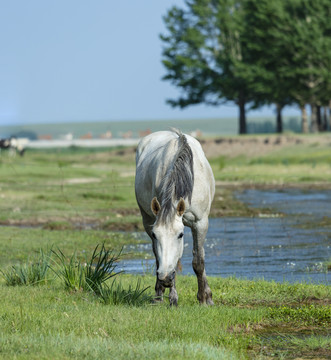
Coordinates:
<point>148,224</point>
<point>199,231</point>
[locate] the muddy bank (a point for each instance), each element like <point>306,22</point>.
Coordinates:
<point>124,219</point>
<point>225,204</point>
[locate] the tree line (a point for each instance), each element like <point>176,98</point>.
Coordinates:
<point>252,53</point>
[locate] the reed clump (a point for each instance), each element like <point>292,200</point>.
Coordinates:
<point>76,275</point>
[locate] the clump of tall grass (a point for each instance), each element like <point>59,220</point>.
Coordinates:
<point>92,275</point>
<point>33,273</point>
<point>88,275</point>
<point>117,295</point>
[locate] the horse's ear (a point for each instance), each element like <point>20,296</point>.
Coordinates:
<point>181,207</point>
<point>155,206</point>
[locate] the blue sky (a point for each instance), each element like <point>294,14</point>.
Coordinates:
<point>82,60</point>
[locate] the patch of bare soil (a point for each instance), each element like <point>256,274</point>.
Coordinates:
<point>248,145</point>
<point>256,145</point>
<point>75,181</point>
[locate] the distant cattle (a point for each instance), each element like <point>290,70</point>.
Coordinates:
<point>45,137</point>
<point>67,137</point>
<point>144,133</point>
<point>86,136</point>
<point>13,145</point>
<point>107,135</point>
<point>127,135</point>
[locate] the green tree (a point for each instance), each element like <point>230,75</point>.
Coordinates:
<point>251,52</point>
<point>204,55</point>
<point>309,48</point>
<point>265,25</point>
<point>289,48</point>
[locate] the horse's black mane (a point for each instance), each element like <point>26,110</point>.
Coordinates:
<point>179,180</point>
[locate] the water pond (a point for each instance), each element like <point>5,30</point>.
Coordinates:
<point>293,247</point>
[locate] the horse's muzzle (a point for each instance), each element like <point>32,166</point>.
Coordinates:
<point>167,280</point>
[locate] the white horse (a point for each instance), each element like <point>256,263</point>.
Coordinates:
<point>174,187</point>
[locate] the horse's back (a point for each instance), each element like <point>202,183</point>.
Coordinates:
<point>152,142</point>
<point>160,142</point>
<point>154,157</point>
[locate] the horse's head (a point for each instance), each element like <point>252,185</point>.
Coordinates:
<point>168,241</point>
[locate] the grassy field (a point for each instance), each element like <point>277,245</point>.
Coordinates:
<point>76,188</point>
<point>306,163</point>
<point>250,319</point>
<point>73,199</point>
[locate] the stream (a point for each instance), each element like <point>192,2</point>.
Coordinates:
<point>292,248</point>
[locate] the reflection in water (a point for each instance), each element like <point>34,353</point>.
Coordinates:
<point>273,248</point>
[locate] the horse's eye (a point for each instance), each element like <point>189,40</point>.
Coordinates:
<point>180,235</point>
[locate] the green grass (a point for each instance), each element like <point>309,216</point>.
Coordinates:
<point>17,245</point>
<point>101,346</point>
<point>31,273</point>
<point>250,319</point>
<point>74,199</point>
<point>68,186</point>
<point>311,346</point>
<point>58,321</point>
<point>296,155</point>
<point>72,324</point>
<point>295,164</point>
<point>116,294</point>
<point>78,188</point>
<point>304,314</point>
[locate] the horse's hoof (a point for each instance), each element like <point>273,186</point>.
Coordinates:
<point>174,302</point>
<point>210,302</point>
<point>205,300</point>
<point>207,303</point>
<point>158,300</point>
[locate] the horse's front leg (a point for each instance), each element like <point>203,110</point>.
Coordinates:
<point>159,291</point>
<point>173,296</point>
<point>148,222</point>
<point>159,288</point>
<point>199,231</point>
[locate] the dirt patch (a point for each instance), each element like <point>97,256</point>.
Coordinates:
<point>130,227</point>
<point>248,145</point>
<point>256,145</point>
<point>126,212</point>
<point>60,224</point>
<point>75,181</point>
<point>81,181</point>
